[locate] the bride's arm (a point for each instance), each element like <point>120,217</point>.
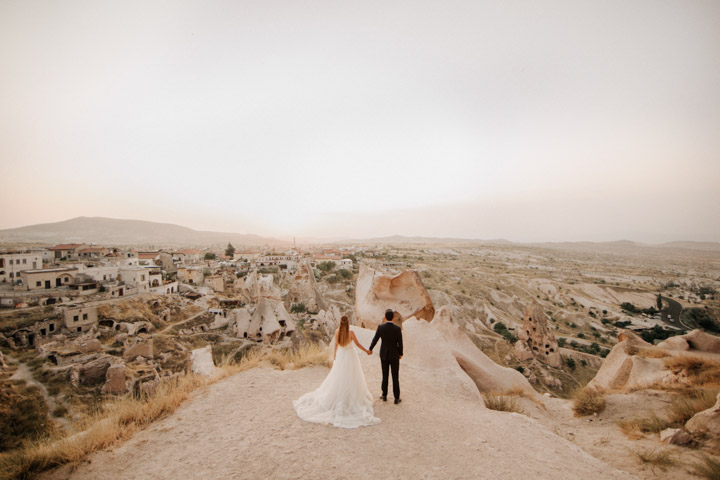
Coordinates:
<point>354,339</point>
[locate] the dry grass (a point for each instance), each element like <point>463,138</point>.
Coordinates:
<point>502,402</point>
<point>657,458</point>
<point>700,371</point>
<point>635,427</point>
<point>652,353</point>
<point>588,401</point>
<point>684,406</point>
<point>681,409</point>
<point>126,310</point>
<point>118,419</point>
<point>708,468</point>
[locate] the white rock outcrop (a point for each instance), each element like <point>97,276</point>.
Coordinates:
<point>487,375</point>
<point>622,369</point>
<point>375,292</point>
<point>707,421</point>
<point>201,361</point>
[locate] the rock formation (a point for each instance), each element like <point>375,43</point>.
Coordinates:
<point>487,375</point>
<point>622,369</point>
<point>695,340</point>
<point>201,361</point>
<point>707,421</point>
<point>141,348</point>
<point>376,292</point>
<point>115,379</point>
<point>535,339</point>
<point>303,289</point>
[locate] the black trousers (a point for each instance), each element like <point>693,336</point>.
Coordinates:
<point>395,367</point>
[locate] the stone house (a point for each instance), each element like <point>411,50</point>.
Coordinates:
<point>48,278</point>
<point>12,263</point>
<point>79,318</point>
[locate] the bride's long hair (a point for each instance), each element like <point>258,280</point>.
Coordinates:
<point>343,337</point>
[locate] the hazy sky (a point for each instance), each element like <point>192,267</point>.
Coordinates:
<point>527,120</point>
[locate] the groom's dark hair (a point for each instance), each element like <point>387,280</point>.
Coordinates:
<point>389,314</point>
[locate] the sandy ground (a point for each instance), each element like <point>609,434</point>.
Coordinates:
<point>245,427</point>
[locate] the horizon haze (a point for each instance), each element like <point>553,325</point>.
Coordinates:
<point>532,122</point>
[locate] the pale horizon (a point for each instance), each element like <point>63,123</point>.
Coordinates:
<point>531,122</point>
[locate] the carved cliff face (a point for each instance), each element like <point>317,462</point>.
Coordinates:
<point>537,339</point>
<point>376,292</point>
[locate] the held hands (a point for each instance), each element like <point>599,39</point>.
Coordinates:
<point>369,352</point>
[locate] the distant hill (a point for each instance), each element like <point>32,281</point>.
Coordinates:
<point>111,231</point>
<point>400,239</point>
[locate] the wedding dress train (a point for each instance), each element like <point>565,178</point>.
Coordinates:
<point>343,399</point>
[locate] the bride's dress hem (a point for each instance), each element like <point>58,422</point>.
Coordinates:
<point>343,400</point>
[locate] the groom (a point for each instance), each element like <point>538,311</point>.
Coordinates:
<point>391,350</point>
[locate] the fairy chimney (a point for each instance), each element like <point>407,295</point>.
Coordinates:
<point>535,339</point>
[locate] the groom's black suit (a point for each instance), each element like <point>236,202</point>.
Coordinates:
<point>391,349</point>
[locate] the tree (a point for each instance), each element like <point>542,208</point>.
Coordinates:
<point>326,266</point>
<point>659,302</point>
<point>209,256</point>
<point>229,250</point>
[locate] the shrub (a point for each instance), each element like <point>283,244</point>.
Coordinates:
<point>326,266</point>
<point>570,362</point>
<point>344,273</point>
<point>588,401</point>
<point>298,308</point>
<point>209,256</point>
<point>501,403</point>
<point>658,458</point>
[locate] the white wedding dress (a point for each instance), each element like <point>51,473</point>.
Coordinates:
<point>343,399</point>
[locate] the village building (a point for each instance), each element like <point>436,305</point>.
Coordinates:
<point>216,282</point>
<point>188,256</point>
<point>193,276</point>
<point>13,262</point>
<point>66,250</point>
<point>92,252</point>
<point>79,318</point>
<point>48,278</point>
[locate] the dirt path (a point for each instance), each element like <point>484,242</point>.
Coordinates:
<point>23,372</point>
<point>245,427</point>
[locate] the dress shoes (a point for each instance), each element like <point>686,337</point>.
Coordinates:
<point>397,400</point>
<point>384,398</point>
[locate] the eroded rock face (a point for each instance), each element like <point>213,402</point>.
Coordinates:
<point>201,361</point>
<point>405,293</point>
<point>487,375</point>
<point>707,421</point>
<point>94,371</point>
<point>141,348</point>
<point>674,343</point>
<point>2,361</point>
<point>303,289</point>
<point>115,379</point>
<point>622,369</point>
<point>704,342</point>
<point>535,339</point>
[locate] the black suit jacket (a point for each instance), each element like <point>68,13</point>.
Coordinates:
<point>391,348</point>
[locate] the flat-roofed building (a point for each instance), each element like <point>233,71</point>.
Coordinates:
<point>12,263</point>
<point>48,278</point>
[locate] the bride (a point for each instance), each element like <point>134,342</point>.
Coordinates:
<point>343,399</point>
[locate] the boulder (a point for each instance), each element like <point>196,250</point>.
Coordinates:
<point>622,369</point>
<point>141,348</point>
<point>115,379</point>
<point>2,361</point>
<point>201,361</point>
<point>707,421</point>
<point>704,342</point>
<point>674,343</point>
<point>675,436</point>
<point>375,292</point>
<point>535,339</point>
